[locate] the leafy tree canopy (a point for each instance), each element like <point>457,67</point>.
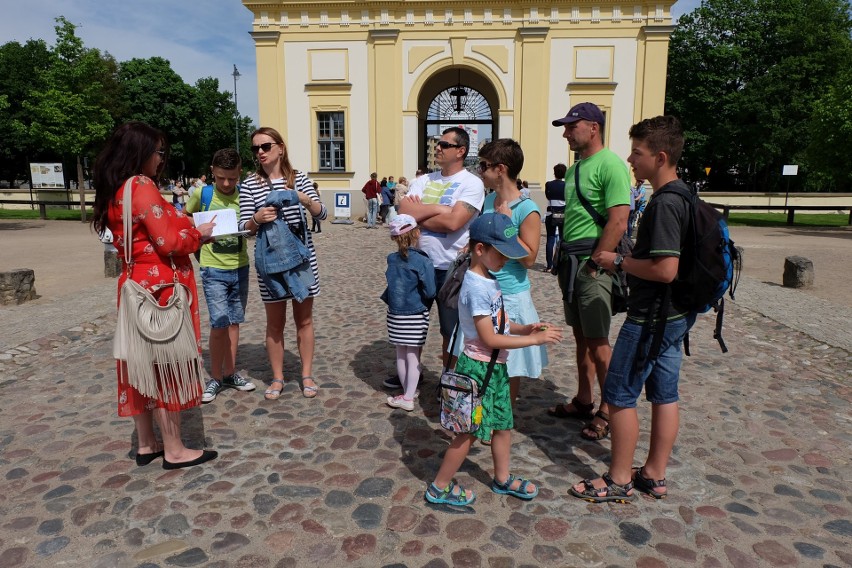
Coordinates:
<point>745,78</point>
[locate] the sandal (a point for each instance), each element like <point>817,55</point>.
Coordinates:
<point>600,431</point>
<point>453,495</point>
<point>506,488</point>
<point>611,491</point>
<point>309,391</point>
<point>582,411</point>
<point>273,393</point>
<point>646,485</point>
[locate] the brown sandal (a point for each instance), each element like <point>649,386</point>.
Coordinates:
<point>601,431</point>
<point>581,411</point>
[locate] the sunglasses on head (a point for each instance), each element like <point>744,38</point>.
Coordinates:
<point>443,144</point>
<point>266,147</point>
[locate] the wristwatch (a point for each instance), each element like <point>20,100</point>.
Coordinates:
<point>617,262</point>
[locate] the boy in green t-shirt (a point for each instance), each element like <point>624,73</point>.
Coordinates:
<point>224,276</point>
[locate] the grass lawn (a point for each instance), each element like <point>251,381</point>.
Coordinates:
<point>52,214</point>
<point>780,220</point>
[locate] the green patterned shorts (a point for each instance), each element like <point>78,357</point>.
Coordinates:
<point>496,404</point>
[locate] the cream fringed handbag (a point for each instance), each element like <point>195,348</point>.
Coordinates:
<point>156,342</point>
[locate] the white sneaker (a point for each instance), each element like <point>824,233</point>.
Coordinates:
<point>401,402</point>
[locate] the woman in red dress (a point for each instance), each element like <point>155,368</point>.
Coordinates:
<point>161,236</point>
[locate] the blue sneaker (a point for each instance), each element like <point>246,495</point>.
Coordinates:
<point>211,390</point>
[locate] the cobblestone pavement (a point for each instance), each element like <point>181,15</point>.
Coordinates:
<point>760,475</point>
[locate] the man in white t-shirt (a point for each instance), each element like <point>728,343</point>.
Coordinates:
<point>445,203</point>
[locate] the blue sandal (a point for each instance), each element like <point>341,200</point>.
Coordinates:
<point>506,488</point>
<point>449,496</point>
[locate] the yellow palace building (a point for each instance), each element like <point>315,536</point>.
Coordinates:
<point>362,86</point>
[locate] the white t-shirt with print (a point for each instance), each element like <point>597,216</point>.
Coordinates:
<point>442,248</point>
<point>480,297</point>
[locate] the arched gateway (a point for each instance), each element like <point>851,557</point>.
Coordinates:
<point>361,87</point>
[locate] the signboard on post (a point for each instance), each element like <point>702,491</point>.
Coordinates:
<point>46,175</point>
<point>789,170</point>
<point>342,208</point>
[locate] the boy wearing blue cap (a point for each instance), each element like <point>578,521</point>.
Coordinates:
<point>493,240</point>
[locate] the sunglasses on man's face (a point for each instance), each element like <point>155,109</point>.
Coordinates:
<point>266,147</point>
<point>443,144</point>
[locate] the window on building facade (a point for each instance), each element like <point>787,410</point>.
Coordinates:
<point>330,137</point>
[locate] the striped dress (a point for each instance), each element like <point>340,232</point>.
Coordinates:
<point>253,192</point>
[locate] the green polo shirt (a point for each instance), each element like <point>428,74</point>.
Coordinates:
<point>225,253</point>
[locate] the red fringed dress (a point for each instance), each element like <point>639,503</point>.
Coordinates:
<point>158,230</point>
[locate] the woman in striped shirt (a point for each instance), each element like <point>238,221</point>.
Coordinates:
<point>274,172</point>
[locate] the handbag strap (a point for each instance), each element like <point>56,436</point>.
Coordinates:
<point>494,354</point>
<point>598,218</point>
<point>128,231</point>
<point>127,216</point>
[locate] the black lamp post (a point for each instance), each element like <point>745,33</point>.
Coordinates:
<point>236,75</point>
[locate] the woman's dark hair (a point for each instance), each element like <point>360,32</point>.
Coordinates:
<point>123,156</point>
<point>507,152</point>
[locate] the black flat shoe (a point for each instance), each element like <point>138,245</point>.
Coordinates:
<point>204,457</point>
<point>145,459</point>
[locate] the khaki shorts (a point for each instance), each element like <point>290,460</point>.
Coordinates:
<point>590,309</point>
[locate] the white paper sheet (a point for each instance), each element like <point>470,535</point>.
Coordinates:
<point>225,219</point>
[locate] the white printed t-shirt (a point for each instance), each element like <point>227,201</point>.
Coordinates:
<point>480,297</point>
<point>442,248</point>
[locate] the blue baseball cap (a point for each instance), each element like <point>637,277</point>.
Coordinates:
<point>498,231</point>
<point>582,111</point>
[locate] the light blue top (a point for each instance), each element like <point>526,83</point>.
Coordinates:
<point>480,297</point>
<point>513,277</point>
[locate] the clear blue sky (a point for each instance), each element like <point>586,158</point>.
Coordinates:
<point>200,39</point>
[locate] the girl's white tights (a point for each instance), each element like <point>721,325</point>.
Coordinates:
<point>408,368</point>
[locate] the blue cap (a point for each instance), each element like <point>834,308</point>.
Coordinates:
<point>498,231</point>
<point>582,111</point>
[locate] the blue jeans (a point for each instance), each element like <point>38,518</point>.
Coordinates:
<point>552,241</point>
<point>226,292</point>
<point>625,378</point>
<point>372,211</point>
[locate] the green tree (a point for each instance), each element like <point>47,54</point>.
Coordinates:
<point>153,93</point>
<point>744,77</point>
<point>831,145</point>
<point>21,67</point>
<point>70,114</point>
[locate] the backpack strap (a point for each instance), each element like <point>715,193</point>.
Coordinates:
<point>598,218</point>
<point>206,197</point>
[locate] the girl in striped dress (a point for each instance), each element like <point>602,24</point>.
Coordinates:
<point>274,172</point>
<point>409,295</point>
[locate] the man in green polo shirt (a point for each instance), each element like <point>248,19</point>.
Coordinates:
<point>601,177</point>
<point>224,276</point>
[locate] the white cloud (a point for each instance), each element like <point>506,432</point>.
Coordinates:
<point>200,39</point>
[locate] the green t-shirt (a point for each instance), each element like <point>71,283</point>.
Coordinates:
<point>604,182</point>
<point>225,253</point>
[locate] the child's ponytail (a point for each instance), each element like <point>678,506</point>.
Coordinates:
<point>406,240</point>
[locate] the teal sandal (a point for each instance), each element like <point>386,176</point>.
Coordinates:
<point>453,495</point>
<point>506,488</point>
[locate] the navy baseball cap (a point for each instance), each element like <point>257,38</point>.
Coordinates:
<point>582,111</point>
<point>498,231</point>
